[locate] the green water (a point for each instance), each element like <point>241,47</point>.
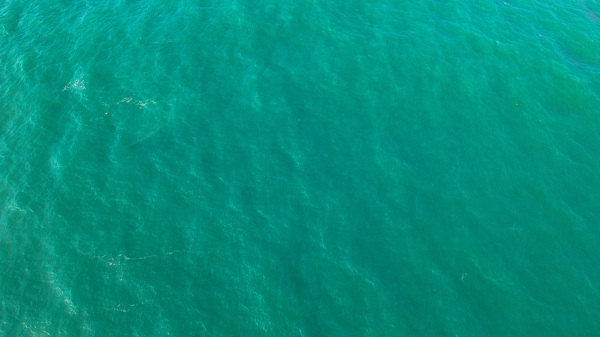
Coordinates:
<point>316,168</point>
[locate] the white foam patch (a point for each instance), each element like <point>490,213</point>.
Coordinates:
<point>38,329</point>
<point>78,84</point>
<point>139,103</point>
<point>64,296</point>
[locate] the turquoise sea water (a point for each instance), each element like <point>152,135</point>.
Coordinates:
<point>299,168</point>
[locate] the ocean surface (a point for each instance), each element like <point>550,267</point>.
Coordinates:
<point>299,168</point>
